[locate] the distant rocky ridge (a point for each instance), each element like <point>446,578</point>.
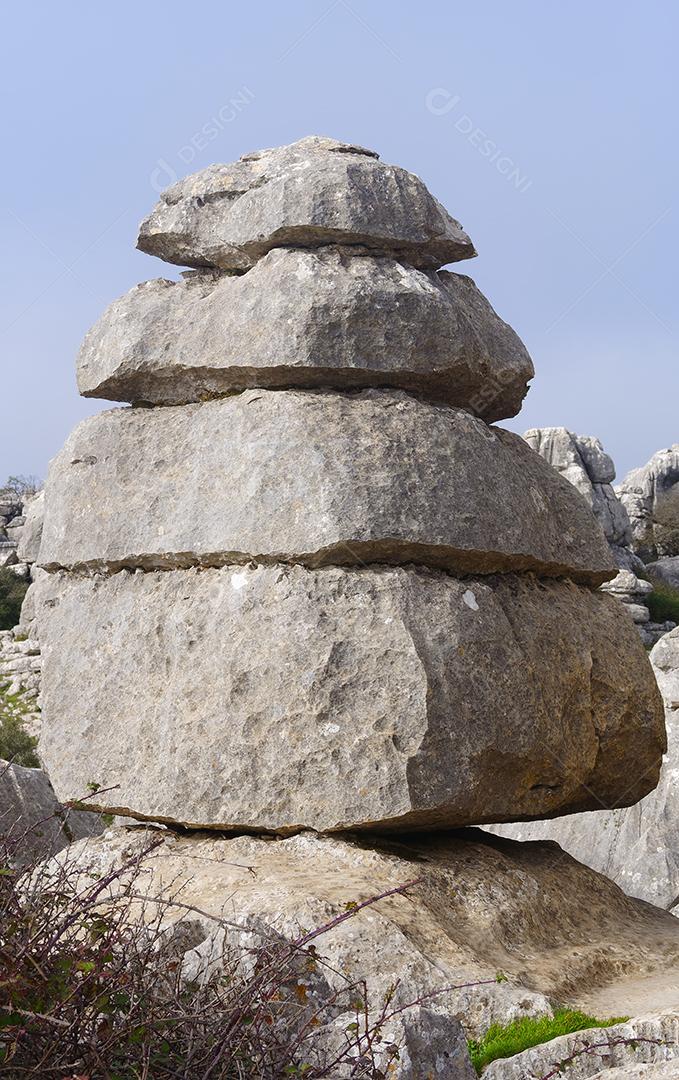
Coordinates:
<point>581,459</point>
<point>13,509</point>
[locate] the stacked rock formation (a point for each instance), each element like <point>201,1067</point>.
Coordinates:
<point>584,462</point>
<point>302,583</point>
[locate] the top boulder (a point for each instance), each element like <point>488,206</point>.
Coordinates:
<point>314,192</point>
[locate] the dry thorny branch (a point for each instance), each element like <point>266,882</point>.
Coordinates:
<point>93,985</point>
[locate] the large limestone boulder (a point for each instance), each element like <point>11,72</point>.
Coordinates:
<point>636,846</point>
<point>33,822</point>
<point>316,191</point>
<point>307,318</point>
<point>316,478</point>
<point>479,906</point>
<point>644,1048</point>
<point>277,698</point>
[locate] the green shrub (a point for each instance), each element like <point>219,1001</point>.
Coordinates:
<point>501,1041</point>
<point>663,603</point>
<point>12,592</point>
<point>16,745</point>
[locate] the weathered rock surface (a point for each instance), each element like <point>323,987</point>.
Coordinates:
<point>481,905</point>
<point>307,318</point>
<point>275,698</point>
<point>316,191</point>
<point>581,460</point>
<point>32,817</point>
<point>315,478</point>
<point>655,1043</point>
<point>431,1046</point>
<point>661,1070</point>
<point>637,846</point>
<point>653,508</point>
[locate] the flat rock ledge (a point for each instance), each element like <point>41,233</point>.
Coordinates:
<point>481,906</point>
<point>314,192</point>
<point>307,318</point>
<point>385,698</point>
<point>316,478</point>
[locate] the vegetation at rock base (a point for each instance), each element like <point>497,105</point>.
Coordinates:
<point>12,592</point>
<point>16,745</point>
<point>663,603</point>
<point>94,986</point>
<point>501,1041</point>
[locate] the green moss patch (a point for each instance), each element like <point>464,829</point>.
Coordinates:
<point>502,1041</point>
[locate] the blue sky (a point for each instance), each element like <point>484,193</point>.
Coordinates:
<point>549,130</point>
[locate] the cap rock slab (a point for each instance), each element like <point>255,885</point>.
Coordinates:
<point>313,192</point>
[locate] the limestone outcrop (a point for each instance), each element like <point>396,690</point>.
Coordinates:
<point>308,319</point>
<point>582,460</point>
<point>335,605</point>
<point>11,524</point>
<point>314,192</point>
<point>645,1048</point>
<point>30,814</point>
<point>651,497</point>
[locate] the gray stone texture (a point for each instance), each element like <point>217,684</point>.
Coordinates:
<point>480,905</point>
<point>307,318</point>
<point>279,698</point>
<point>32,821</point>
<point>651,1040</point>
<point>645,492</point>
<point>314,192</point>
<point>317,478</point>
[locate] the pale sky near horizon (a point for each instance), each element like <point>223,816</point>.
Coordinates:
<point>549,130</point>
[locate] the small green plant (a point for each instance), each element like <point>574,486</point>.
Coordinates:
<point>16,745</point>
<point>663,603</point>
<point>12,592</point>
<point>505,1040</point>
